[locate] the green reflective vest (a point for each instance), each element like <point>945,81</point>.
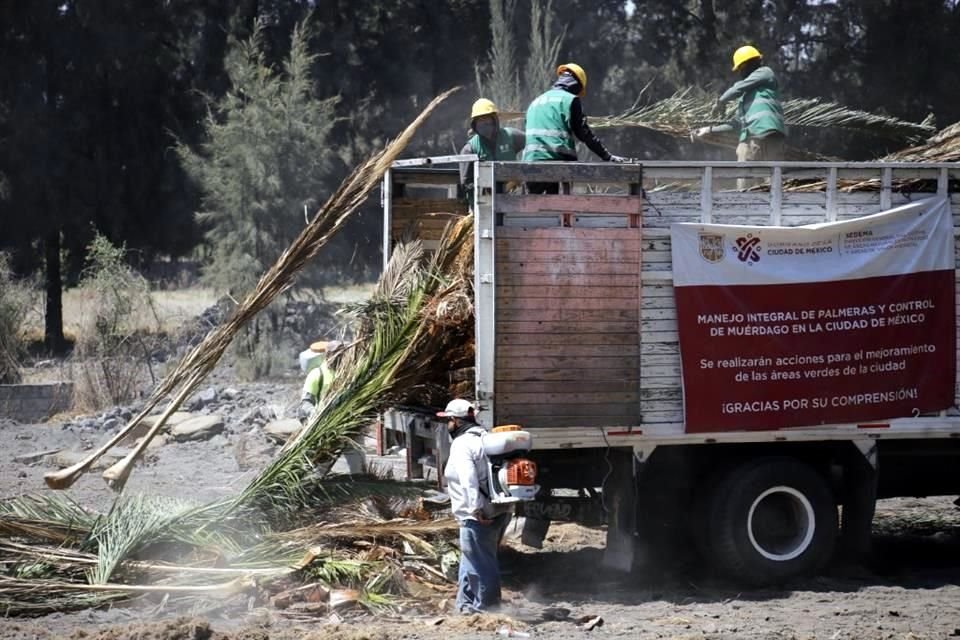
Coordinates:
<point>759,110</point>
<point>318,379</point>
<point>549,134</point>
<point>502,150</point>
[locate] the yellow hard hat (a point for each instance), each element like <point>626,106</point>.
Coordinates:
<point>483,107</point>
<point>578,72</point>
<point>743,54</point>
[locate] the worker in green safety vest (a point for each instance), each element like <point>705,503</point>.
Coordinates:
<point>555,121</point>
<point>489,141</point>
<point>759,118</point>
<point>315,362</point>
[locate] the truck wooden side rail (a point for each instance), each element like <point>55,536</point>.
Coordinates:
<point>576,340</point>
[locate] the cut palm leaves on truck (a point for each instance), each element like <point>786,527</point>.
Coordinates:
<point>692,108</point>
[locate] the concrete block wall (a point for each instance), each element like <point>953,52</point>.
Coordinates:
<point>34,402</point>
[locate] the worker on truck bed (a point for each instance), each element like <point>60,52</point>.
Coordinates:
<point>489,141</point>
<point>759,116</point>
<point>482,523</point>
<point>555,121</point>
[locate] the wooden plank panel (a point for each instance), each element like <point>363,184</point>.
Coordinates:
<point>568,233</point>
<point>570,375</point>
<point>607,254</point>
<point>660,336</point>
<point>573,350</point>
<point>566,172</point>
<point>654,348</point>
<point>569,315</point>
<point>535,422</point>
<point>653,394</point>
<point>578,365</point>
<point>539,338</point>
<point>569,268</point>
<point>527,222</point>
<point>557,328</point>
<point>656,326</point>
<point>658,417</point>
<point>583,386</point>
<point>602,221</point>
<point>525,279</point>
<point>570,302</point>
<point>662,382</point>
<point>529,204</point>
<point>521,246</point>
<point>511,398</point>
<point>526,292</point>
<point>569,409</point>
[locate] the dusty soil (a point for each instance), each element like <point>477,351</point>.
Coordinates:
<point>909,591</point>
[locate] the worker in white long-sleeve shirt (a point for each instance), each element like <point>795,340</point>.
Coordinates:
<point>482,523</point>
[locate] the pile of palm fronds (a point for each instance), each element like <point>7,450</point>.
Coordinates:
<point>378,548</point>
<point>942,147</point>
<point>370,538</point>
<point>202,359</point>
<point>692,108</point>
<point>292,524</point>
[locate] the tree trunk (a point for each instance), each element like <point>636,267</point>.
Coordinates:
<point>53,331</point>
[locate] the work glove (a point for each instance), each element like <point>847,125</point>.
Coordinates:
<point>718,106</point>
<point>620,159</point>
<point>305,410</point>
<point>696,134</point>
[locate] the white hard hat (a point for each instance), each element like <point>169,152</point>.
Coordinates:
<point>458,408</point>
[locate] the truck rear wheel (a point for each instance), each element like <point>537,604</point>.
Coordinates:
<point>771,520</point>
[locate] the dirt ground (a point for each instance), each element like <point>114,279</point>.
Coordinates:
<point>909,591</point>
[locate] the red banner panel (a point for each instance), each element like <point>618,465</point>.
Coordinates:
<point>839,323</point>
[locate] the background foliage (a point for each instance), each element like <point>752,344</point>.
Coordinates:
<point>106,104</point>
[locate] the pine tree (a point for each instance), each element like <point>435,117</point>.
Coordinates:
<point>265,161</point>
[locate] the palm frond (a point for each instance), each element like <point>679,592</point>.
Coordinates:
<point>942,147</point>
<point>398,528</point>
<point>49,517</point>
<point>201,360</point>
<point>131,523</point>
<point>691,108</point>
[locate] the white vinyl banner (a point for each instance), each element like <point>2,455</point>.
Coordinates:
<point>912,238</point>
<point>799,326</point>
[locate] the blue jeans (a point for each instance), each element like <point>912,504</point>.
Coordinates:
<point>479,578</point>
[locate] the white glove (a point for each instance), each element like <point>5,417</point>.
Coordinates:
<point>699,133</point>
<point>305,410</point>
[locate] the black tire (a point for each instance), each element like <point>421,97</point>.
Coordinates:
<point>769,521</point>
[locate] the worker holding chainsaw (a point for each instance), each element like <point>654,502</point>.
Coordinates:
<point>555,121</point>
<point>482,522</point>
<point>488,141</point>
<point>759,117</point>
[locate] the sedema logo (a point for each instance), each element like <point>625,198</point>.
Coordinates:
<point>711,247</point>
<point>748,248</point>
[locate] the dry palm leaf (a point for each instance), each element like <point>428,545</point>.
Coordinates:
<point>691,108</point>
<point>198,363</point>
